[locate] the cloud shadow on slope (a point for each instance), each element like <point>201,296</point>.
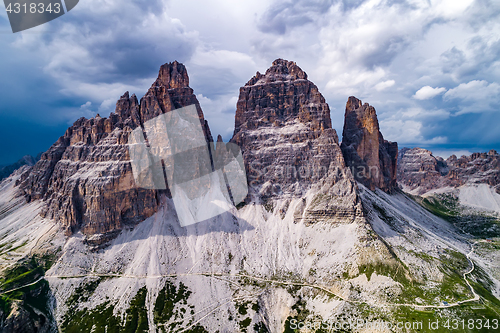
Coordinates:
<point>226,222</point>
<point>167,224</point>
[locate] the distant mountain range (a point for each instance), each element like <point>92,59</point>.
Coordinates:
<point>6,171</point>
<point>419,171</point>
<point>325,237</point>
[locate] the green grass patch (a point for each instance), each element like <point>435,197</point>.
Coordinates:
<point>21,274</point>
<point>102,319</point>
<point>395,272</point>
<point>172,311</point>
<point>98,320</point>
<point>474,222</point>
<point>19,283</point>
<point>137,316</point>
<point>245,323</point>
<point>83,292</point>
<point>453,319</point>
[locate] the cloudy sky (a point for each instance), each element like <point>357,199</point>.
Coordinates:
<point>431,68</point>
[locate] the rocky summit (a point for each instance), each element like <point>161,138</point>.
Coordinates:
<point>283,127</point>
<point>85,179</point>
<point>372,160</point>
<point>419,171</point>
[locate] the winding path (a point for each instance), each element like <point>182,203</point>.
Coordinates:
<point>458,303</point>
<point>278,282</point>
<point>21,287</point>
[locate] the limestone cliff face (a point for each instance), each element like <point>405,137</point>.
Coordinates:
<point>85,178</point>
<point>419,171</point>
<point>169,92</point>
<point>372,160</point>
<point>418,168</point>
<point>283,127</point>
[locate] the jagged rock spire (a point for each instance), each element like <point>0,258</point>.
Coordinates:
<point>373,160</point>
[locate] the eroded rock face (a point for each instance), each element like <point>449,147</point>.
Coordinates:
<point>418,168</point>
<point>372,160</point>
<point>86,178</point>
<point>283,127</point>
<point>169,92</point>
<point>419,171</point>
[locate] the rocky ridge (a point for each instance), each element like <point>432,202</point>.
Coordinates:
<point>283,127</point>
<point>419,171</point>
<point>373,160</point>
<point>86,178</point>
<point>6,171</point>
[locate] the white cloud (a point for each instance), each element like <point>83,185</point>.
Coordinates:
<point>384,85</point>
<point>401,131</point>
<point>428,92</point>
<point>86,105</point>
<point>474,90</point>
<point>451,8</point>
<point>409,126</point>
<point>101,92</point>
<point>436,114</point>
<point>475,96</point>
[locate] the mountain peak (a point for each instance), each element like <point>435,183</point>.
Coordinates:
<point>372,159</point>
<point>353,104</point>
<point>85,179</point>
<point>281,70</point>
<point>173,75</point>
<point>282,96</point>
<point>283,125</point>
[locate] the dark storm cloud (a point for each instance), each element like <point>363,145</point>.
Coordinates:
<point>33,113</point>
<point>473,61</point>
<point>468,130</point>
<point>385,53</point>
<point>25,137</point>
<point>283,15</point>
<point>119,44</point>
<point>88,57</point>
<point>124,41</point>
